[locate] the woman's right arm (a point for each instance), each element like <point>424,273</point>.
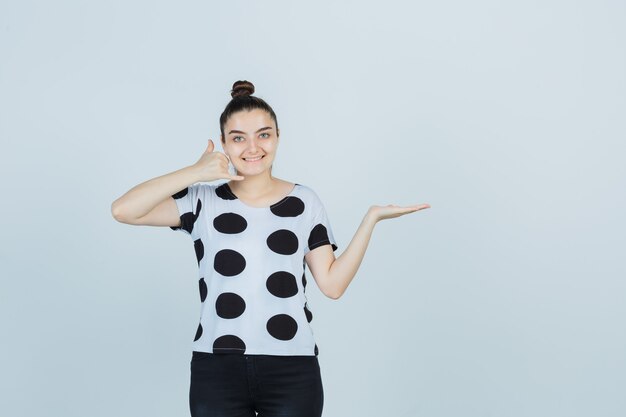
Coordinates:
<point>151,203</point>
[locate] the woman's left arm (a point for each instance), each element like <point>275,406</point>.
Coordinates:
<point>334,275</point>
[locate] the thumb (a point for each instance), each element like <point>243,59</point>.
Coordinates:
<point>210,147</point>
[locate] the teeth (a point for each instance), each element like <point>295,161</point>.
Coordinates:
<point>255,159</point>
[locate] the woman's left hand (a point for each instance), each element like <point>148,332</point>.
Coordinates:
<point>390,211</point>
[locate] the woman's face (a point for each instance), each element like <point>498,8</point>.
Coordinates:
<point>248,136</point>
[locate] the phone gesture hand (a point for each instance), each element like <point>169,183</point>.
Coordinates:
<point>214,165</point>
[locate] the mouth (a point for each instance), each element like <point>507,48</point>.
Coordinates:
<point>256,159</point>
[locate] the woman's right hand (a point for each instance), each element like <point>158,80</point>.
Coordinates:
<point>214,165</point>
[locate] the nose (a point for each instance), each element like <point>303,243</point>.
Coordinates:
<point>252,145</point>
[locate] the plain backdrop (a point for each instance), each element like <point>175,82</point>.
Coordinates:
<point>506,298</point>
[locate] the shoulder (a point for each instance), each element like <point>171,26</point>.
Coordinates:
<point>305,191</point>
<point>309,196</point>
<point>204,191</point>
<point>222,191</point>
<point>194,191</point>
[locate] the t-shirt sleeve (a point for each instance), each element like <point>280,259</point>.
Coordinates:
<point>188,201</point>
<point>320,229</point>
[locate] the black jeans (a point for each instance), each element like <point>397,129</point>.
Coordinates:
<point>231,385</point>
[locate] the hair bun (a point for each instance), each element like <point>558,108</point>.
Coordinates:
<point>242,88</point>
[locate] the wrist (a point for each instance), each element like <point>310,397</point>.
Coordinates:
<point>194,173</point>
<point>370,217</point>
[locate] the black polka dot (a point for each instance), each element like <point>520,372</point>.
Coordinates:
<point>229,344</point>
<point>282,284</point>
<point>316,350</point>
<point>229,305</point>
<point>198,332</point>
<point>307,312</point>
<point>198,246</point>
<point>288,207</point>
<point>203,289</point>
<point>188,219</point>
<point>230,223</point>
<point>319,237</point>
<point>181,193</point>
<point>282,327</point>
<point>223,192</point>
<point>229,262</point>
<point>303,281</point>
<point>283,241</point>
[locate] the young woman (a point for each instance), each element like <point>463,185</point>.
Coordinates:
<point>253,236</point>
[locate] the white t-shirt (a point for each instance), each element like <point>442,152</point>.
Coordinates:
<point>252,269</point>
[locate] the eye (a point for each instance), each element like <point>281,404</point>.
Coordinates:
<point>236,137</point>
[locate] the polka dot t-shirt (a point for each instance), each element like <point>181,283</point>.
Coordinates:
<point>251,266</point>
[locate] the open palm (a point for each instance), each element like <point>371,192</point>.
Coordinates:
<point>390,211</point>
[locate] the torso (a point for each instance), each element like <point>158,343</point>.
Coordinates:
<point>252,270</point>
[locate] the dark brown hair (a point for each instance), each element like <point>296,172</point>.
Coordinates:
<point>242,99</point>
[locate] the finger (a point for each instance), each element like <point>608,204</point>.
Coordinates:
<point>419,206</point>
<point>223,155</point>
<point>236,177</point>
<point>409,209</point>
<point>210,147</point>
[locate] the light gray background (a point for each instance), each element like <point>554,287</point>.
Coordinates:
<point>506,298</point>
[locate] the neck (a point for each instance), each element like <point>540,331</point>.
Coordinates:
<point>254,185</point>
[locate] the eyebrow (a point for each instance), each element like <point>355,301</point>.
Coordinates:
<point>239,131</point>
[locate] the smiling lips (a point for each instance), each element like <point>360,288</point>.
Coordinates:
<point>258,158</point>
